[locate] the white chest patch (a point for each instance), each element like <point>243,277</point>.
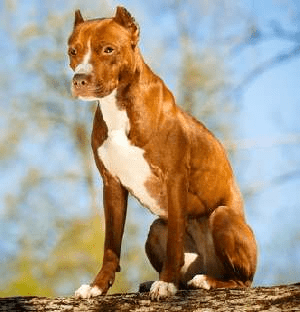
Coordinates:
<point>122,159</point>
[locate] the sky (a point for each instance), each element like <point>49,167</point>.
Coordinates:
<point>268,119</point>
<point>270,114</point>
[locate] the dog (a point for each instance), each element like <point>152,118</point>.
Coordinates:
<point>145,145</point>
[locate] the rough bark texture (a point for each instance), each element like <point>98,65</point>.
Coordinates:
<point>277,298</point>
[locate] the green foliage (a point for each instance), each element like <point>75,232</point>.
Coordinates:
<point>74,260</point>
<point>24,282</point>
<point>79,254</point>
<point>202,90</point>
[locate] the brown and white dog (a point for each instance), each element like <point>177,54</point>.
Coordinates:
<point>146,145</point>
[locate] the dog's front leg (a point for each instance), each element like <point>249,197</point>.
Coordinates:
<point>115,207</point>
<point>169,277</point>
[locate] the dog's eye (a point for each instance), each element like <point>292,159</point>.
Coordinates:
<point>108,50</point>
<point>72,51</point>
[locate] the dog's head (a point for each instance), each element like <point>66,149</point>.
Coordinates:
<point>102,53</point>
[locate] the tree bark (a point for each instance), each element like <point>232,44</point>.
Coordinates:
<point>276,298</point>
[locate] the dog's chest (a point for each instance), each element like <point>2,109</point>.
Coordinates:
<point>124,160</point>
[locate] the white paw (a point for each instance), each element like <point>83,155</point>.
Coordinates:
<point>199,281</point>
<point>160,289</point>
<point>86,292</point>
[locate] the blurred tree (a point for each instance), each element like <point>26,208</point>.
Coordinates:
<point>50,242</point>
<point>204,77</point>
<point>44,116</point>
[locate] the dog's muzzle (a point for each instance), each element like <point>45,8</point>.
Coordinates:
<point>82,85</point>
<point>80,81</point>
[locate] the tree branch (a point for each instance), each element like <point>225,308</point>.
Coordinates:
<point>277,298</point>
<point>276,60</point>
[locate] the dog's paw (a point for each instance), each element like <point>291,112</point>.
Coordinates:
<point>161,290</point>
<point>199,281</point>
<point>86,292</point>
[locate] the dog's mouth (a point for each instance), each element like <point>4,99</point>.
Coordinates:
<point>87,93</point>
<point>85,88</point>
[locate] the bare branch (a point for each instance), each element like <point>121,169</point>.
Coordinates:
<point>263,142</point>
<point>276,298</point>
<point>274,61</point>
<point>265,185</point>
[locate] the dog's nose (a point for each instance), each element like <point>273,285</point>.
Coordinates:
<point>80,81</point>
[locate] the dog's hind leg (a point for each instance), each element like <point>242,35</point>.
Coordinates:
<point>235,248</point>
<point>156,244</point>
<point>156,250</point>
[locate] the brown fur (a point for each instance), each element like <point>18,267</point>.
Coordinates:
<point>193,180</point>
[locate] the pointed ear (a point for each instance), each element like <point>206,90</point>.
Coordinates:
<point>78,18</point>
<point>124,18</point>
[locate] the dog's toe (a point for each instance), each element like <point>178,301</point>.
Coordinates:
<point>160,290</point>
<point>86,292</point>
<point>199,281</point>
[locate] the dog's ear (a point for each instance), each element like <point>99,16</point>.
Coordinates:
<point>78,18</point>
<point>124,18</point>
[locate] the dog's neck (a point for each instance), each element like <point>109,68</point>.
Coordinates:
<point>116,118</point>
<point>141,76</point>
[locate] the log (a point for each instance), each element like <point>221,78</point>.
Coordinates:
<point>276,298</point>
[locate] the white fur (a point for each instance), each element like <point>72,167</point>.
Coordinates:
<point>116,120</point>
<point>85,67</point>
<point>199,281</point>
<point>122,159</point>
<point>86,292</point>
<point>88,98</point>
<point>160,289</point>
<point>189,258</point>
